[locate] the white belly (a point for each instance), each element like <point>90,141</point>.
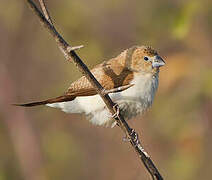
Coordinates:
<point>132,101</point>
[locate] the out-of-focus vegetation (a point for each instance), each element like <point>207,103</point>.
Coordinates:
<point>43,143</point>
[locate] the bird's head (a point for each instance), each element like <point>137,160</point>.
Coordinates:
<point>145,59</point>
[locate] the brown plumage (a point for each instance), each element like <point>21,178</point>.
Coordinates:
<point>116,72</point>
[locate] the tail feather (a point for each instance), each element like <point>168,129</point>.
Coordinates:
<point>48,101</point>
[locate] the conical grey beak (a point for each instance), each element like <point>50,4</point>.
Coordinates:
<point>158,61</point>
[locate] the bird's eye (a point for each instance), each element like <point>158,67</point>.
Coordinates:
<point>146,58</point>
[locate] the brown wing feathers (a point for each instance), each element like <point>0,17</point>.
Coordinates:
<point>110,74</point>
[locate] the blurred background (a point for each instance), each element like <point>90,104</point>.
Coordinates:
<point>43,143</point>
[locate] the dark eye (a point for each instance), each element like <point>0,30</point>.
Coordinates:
<point>146,58</point>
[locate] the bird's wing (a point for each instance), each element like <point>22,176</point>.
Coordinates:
<point>109,74</point>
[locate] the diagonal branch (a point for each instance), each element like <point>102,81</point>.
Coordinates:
<point>113,108</point>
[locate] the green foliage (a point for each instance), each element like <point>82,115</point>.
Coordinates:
<point>184,18</point>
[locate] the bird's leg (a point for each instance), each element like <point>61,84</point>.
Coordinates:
<point>115,90</point>
<point>117,111</point>
<point>116,115</point>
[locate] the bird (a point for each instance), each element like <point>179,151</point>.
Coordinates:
<point>131,80</point>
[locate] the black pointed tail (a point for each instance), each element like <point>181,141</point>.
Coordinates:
<point>48,101</point>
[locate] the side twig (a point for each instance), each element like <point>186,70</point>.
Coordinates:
<point>70,55</point>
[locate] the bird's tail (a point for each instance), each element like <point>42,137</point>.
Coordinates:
<point>63,98</point>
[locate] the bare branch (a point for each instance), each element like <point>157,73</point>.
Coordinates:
<point>119,89</point>
<point>74,48</point>
<point>113,108</point>
<point>45,11</point>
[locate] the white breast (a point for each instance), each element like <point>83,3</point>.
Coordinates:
<point>139,98</point>
<point>144,89</point>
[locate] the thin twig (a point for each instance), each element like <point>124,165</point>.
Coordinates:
<point>74,48</point>
<point>119,89</point>
<point>73,57</point>
<point>45,11</point>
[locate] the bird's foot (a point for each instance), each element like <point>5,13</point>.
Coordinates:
<point>117,111</point>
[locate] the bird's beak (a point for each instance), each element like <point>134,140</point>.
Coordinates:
<point>158,61</point>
